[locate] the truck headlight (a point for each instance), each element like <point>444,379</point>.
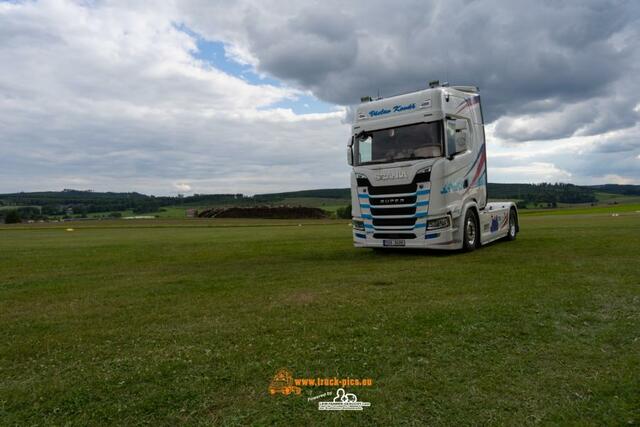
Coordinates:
<point>358,225</point>
<point>423,174</point>
<point>434,224</point>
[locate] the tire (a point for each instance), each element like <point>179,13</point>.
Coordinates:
<point>471,231</point>
<point>513,225</point>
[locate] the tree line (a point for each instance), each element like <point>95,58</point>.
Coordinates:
<point>69,202</point>
<point>543,194</point>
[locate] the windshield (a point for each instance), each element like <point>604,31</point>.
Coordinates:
<point>419,141</point>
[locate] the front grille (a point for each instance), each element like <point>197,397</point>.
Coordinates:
<point>393,189</point>
<point>384,202</point>
<point>382,222</point>
<point>394,235</point>
<point>393,211</point>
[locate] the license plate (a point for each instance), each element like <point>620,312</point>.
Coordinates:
<point>393,242</point>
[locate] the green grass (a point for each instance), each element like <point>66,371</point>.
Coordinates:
<point>174,212</point>
<point>617,198</point>
<point>13,208</point>
<point>604,200</point>
<point>590,210</point>
<point>184,322</point>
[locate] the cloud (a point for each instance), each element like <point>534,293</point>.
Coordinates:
<point>116,96</point>
<point>520,53</point>
<point>113,98</point>
<point>182,186</point>
<point>579,159</point>
<point>533,172</point>
<point>547,71</point>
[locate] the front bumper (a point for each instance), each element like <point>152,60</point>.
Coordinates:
<point>444,238</point>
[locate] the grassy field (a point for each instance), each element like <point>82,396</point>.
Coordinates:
<point>169,322</point>
<point>586,210</point>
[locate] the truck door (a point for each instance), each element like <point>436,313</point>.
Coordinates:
<point>458,163</point>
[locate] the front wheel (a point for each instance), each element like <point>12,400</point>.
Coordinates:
<point>471,233</point>
<point>513,227</point>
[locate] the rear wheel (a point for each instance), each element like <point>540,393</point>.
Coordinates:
<point>471,235</point>
<point>513,227</point>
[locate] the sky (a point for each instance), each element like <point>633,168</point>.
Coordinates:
<point>201,96</point>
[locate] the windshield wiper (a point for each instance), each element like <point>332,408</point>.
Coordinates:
<point>404,159</point>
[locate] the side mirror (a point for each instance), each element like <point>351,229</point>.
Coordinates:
<point>350,152</point>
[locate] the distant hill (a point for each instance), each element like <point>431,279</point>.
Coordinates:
<point>534,193</point>
<point>625,190</point>
<point>78,202</point>
<point>543,193</point>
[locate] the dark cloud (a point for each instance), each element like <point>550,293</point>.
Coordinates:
<point>523,55</point>
<point>110,96</point>
<point>307,48</point>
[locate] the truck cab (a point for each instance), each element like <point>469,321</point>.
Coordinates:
<point>419,177</point>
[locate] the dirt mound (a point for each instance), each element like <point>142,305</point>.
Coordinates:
<point>276,212</point>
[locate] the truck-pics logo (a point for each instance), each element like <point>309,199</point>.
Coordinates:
<point>282,382</point>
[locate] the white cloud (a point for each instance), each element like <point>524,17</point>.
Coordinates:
<point>534,172</point>
<point>617,179</point>
<point>182,186</point>
<point>112,98</point>
<point>110,95</point>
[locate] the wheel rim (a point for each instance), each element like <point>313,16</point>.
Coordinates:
<point>512,227</point>
<point>471,232</point>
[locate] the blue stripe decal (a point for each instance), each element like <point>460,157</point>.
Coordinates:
<point>366,216</point>
<point>363,206</point>
<point>432,236</point>
<point>368,226</point>
<point>425,203</point>
<point>421,214</point>
<point>361,236</point>
<point>420,225</point>
<point>363,196</point>
<point>423,192</point>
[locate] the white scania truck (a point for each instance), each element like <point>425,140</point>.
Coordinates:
<point>419,176</point>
